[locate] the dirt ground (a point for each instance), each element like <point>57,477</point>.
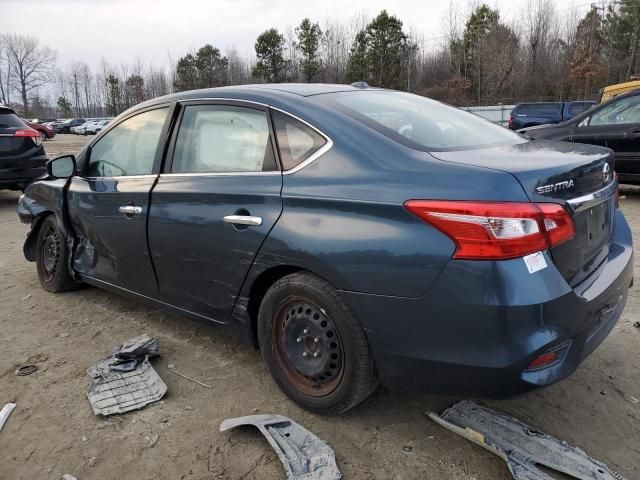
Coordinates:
<point>53,431</point>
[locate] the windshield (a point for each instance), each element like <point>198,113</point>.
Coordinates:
<point>422,123</point>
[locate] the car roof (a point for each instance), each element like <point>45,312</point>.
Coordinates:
<point>290,96</point>
<point>265,91</point>
<point>307,89</point>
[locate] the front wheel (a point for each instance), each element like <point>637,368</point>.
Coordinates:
<point>52,257</point>
<point>314,347</point>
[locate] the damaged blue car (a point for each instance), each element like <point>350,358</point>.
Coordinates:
<point>355,235</point>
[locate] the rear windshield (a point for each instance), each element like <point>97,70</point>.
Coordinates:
<point>541,109</point>
<point>422,123</point>
<point>10,120</point>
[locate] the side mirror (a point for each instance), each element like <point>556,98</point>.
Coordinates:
<point>62,167</point>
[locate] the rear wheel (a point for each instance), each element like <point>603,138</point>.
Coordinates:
<point>43,136</point>
<point>314,347</point>
<point>52,257</point>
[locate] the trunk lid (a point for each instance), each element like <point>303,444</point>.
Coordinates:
<point>580,177</point>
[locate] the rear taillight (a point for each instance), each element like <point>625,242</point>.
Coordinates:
<point>30,133</point>
<point>550,357</point>
<point>511,122</point>
<point>496,230</point>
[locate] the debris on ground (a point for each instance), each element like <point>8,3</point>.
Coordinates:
<point>303,455</point>
<point>25,370</point>
<point>170,367</point>
<point>66,476</point>
<point>125,380</point>
<point>524,448</point>
<point>37,358</point>
<point>4,413</point>
<point>636,324</point>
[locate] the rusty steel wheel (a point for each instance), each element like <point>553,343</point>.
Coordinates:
<point>307,346</point>
<point>314,346</point>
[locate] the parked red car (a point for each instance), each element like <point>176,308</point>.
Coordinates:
<point>45,132</point>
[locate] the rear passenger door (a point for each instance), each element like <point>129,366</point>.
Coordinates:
<point>214,204</point>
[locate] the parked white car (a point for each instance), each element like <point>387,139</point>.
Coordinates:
<point>95,127</point>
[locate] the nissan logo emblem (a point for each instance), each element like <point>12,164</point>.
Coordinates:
<point>606,173</point>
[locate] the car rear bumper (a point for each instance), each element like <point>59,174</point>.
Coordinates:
<point>21,176</point>
<point>480,326</point>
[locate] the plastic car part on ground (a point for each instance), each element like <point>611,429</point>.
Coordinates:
<point>524,448</point>
<point>5,412</point>
<point>304,456</point>
<point>125,380</point>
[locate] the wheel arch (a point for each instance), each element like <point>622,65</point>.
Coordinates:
<point>30,244</point>
<point>259,287</point>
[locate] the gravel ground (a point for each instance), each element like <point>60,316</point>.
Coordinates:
<point>53,431</point>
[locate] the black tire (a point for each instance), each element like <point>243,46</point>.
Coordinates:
<point>43,136</point>
<point>303,305</point>
<point>52,258</point>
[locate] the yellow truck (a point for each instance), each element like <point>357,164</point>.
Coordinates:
<point>607,93</point>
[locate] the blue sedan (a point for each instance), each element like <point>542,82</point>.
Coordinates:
<point>355,235</point>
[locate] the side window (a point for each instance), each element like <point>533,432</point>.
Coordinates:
<point>129,148</point>
<point>625,110</point>
<point>576,108</point>
<point>539,109</point>
<point>223,138</point>
<point>297,141</point>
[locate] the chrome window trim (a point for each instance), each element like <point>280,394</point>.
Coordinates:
<point>321,151</point>
<point>218,99</point>
<point>220,174</point>
<point>594,198</point>
<point>116,177</point>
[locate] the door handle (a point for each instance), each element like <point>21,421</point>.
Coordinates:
<point>243,220</point>
<point>130,210</point>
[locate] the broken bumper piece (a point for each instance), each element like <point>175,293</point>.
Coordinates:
<point>523,447</point>
<point>125,380</point>
<point>303,455</point>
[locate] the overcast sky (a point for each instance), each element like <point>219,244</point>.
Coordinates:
<point>122,30</point>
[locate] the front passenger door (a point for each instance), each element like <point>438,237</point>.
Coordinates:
<point>108,202</point>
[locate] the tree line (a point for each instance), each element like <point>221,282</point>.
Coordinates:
<point>480,58</point>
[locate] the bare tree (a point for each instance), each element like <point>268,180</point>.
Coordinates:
<point>3,66</point>
<point>33,65</point>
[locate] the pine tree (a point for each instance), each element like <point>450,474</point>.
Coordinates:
<point>309,38</point>
<point>270,52</point>
<point>65,107</point>
<point>380,53</point>
<point>186,74</point>
<point>211,67</point>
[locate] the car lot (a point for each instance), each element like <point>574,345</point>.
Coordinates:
<point>53,431</point>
